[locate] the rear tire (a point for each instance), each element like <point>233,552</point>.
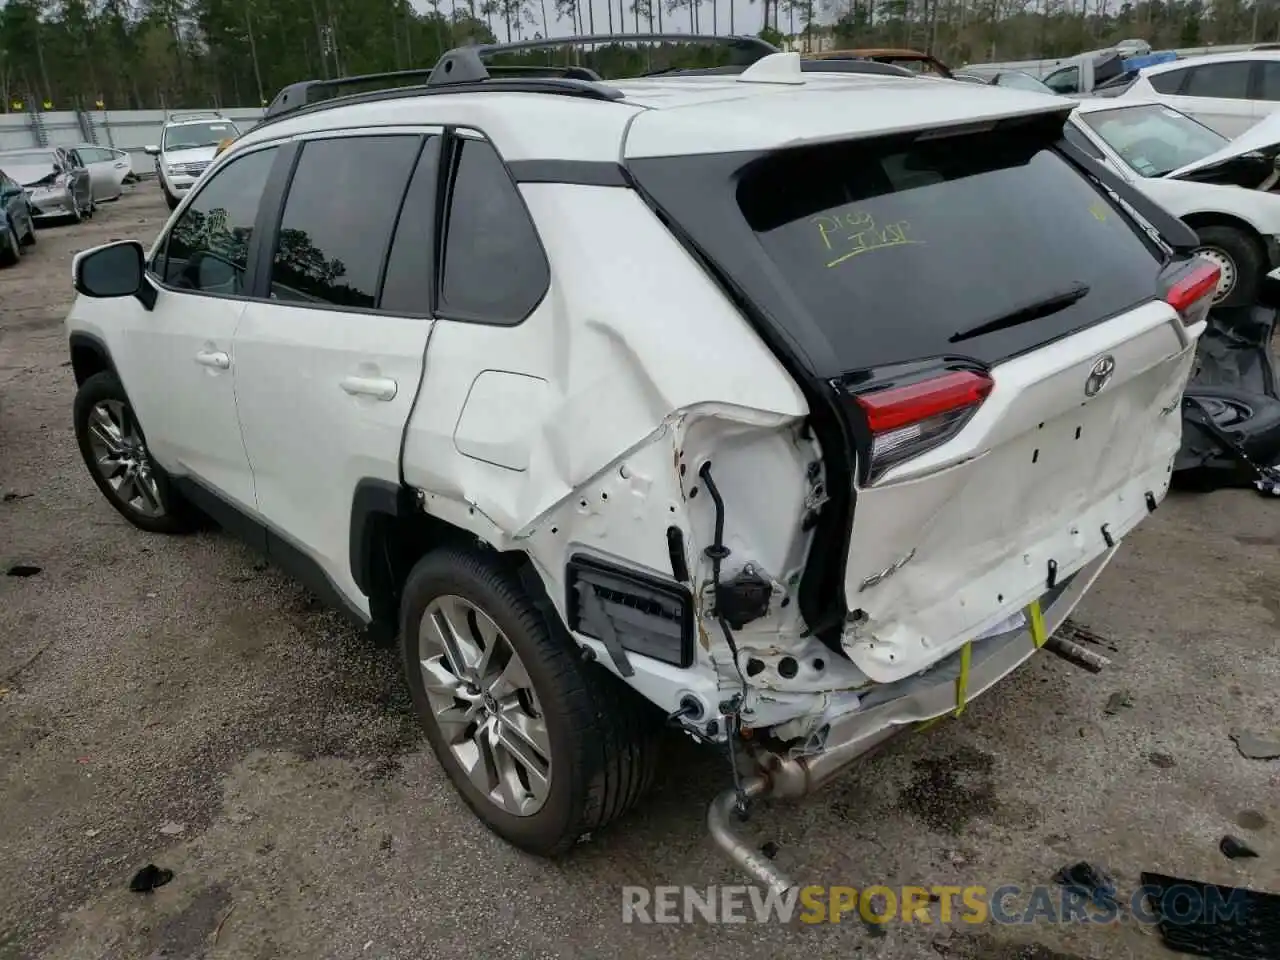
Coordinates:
<point>601,746</point>
<point>1241,258</point>
<point>114,450</point>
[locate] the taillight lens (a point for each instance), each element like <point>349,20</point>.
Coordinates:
<point>905,421</point>
<point>1189,289</point>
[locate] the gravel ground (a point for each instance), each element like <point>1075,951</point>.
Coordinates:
<point>173,700</point>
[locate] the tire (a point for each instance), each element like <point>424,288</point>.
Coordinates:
<point>10,249</point>
<point>157,507</point>
<point>1241,258</point>
<point>30,240</point>
<point>170,200</point>
<point>77,215</point>
<point>600,739</point>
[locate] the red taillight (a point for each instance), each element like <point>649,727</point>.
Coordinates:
<point>908,420</point>
<point>1190,291</point>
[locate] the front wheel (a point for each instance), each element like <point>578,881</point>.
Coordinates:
<point>10,249</point>
<point>169,199</point>
<point>1240,257</point>
<point>115,451</point>
<point>543,746</point>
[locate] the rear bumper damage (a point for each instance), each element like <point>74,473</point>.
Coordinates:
<point>790,772</point>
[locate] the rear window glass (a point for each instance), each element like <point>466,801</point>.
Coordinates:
<point>895,248</point>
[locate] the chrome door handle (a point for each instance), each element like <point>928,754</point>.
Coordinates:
<point>213,358</point>
<point>380,388</point>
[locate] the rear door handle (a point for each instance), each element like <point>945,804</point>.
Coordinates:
<point>380,388</point>
<point>213,358</point>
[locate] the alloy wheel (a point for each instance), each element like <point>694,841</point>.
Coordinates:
<point>120,457</point>
<point>483,702</point>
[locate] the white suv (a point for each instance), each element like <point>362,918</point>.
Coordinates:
<point>794,407</point>
<point>188,144</point>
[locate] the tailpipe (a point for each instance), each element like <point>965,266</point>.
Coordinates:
<point>720,817</point>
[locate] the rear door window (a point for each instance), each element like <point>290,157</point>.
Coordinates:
<point>338,219</point>
<point>899,249</point>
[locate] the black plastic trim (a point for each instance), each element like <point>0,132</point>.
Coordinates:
<point>282,551</point>
<point>87,341</point>
<point>587,173</point>
<point>554,86</point>
<point>373,498</point>
<point>638,630</point>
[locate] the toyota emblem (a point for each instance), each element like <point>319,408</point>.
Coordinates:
<point>1103,369</point>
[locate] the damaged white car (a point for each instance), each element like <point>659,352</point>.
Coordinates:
<point>783,403</point>
<point>1197,174</point>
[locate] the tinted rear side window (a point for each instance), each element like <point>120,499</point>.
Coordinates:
<point>895,248</point>
<point>1169,81</point>
<point>1228,81</point>
<point>494,267</point>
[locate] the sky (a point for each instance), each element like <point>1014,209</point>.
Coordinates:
<point>748,18</point>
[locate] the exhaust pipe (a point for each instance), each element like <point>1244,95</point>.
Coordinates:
<point>720,822</point>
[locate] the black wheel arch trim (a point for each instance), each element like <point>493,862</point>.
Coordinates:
<point>78,343</point>
<point>291,558</point>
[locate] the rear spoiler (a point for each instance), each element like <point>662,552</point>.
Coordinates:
<point>1173,231</point>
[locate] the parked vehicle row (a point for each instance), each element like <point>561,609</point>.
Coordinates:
<point>44,184</point>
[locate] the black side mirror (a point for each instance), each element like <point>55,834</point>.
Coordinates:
<point>113,270</point>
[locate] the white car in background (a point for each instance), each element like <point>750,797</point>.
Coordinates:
<point>1229,92</point>
<point>108,169</point>
<point>1196,174</point>
<point>187,146</point>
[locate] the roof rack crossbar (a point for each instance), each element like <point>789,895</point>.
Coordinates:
<point>746,44</point>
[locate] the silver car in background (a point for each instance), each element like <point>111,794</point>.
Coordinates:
<point>58,185</point>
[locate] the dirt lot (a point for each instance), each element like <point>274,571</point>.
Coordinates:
<point>175,701</point>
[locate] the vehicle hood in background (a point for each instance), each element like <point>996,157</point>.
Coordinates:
<point>190,155</point>
<point>1247,161</point>
<point>28,174</point>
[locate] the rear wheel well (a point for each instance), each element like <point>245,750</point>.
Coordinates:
<point>393,542</point>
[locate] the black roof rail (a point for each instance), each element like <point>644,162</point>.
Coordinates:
<point>464,67</point>
<point>576,81</point>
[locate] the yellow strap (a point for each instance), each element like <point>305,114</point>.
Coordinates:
<point>1038,635</point>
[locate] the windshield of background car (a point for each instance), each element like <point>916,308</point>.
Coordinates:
<point>1152,139</point>
<point>27,158</point>
<point>898,249</point>
<point>189,136</point>
<point>1023,81</point>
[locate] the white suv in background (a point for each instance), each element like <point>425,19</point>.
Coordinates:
<point>1229,92</point>
<point>610,428</point>
<point>187,146</point>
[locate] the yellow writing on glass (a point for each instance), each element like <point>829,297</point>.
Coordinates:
<point>846,235</point>
<point>1099,211</point>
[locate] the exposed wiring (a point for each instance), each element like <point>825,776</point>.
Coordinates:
<point>717,552</point>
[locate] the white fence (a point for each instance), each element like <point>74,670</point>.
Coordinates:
<point>129,130</point>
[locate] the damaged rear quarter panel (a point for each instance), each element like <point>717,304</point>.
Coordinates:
<point>633,360</point>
